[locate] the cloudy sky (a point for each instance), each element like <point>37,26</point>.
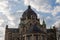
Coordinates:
<point>11,11</point>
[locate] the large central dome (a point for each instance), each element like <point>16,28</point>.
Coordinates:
<point>29,12</point>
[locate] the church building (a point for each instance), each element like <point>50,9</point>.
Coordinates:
<point>30,28</point>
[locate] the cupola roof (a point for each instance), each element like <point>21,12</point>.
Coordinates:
<point>29,12</point>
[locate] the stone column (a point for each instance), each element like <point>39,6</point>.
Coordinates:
<point>25,37</point>
<point>39,37</point>
<point>32,37</point>
<point>57,36</point>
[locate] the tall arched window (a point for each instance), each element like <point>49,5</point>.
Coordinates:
<point>17,38</point>
<point>36,37</point>
<point>59,37</point>
<point>23,38</point>
<point>43,37</point>
<point>28,37</point>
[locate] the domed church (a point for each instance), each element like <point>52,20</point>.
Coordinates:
<point>30,28</point>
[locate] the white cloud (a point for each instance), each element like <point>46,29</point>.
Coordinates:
<point>40,18</point>
<point>15,1</point>
<point>57,1</point>
<point>40,5</point>
<point>2,33</point>
<point>56,10</point>
<point>58,17</point>
<point>1,21</point>
<point>5,10</point>
<point>43,6</point>
<point>27,2</point>
<point>48,17</point>
<point>57,24</point>
<point>19,11</point>
<point>11,24</point>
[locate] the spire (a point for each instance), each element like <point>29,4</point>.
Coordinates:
<point>54,27</point>
<point>44,23</point>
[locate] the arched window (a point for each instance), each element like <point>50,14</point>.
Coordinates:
<point>43,38</point>
<point>59,37</point>
<point>36,37</point>
<point>28,37</point>
<point>23,38</point>
<point>17,38</point>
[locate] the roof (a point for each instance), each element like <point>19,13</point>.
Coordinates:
<point>13,30</point>
<point>29,12</point>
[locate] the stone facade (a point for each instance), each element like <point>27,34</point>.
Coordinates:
<point>58,34</point>
<point>30,29</point>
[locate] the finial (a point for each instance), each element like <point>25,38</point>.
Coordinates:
<point>29,7</point>
<point>6,26</point>
<point>54,27</point>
